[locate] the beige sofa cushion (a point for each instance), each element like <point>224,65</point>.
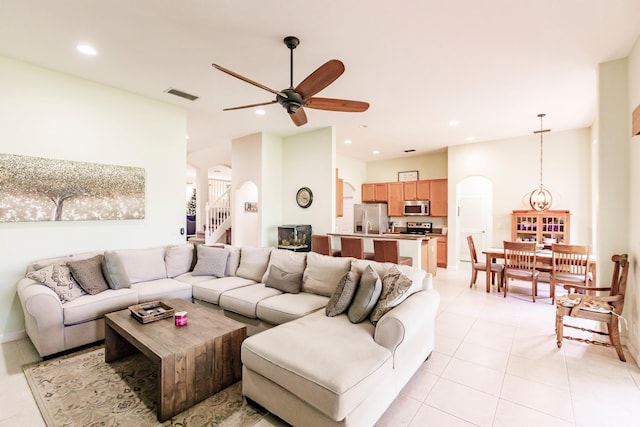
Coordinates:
<point>324,273</point>
<point>253,262</point>
<point>333,378</point>
<point>289,261</point>
<point>245,300</point>
<point>286,307</point>
<point>162,289</point>
<point>143,265</point>
<point>114,271</point>
<point>91,307</point>
<point>210,290</point>
<point>178,259</point>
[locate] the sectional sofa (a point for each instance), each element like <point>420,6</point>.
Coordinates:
<point>332,340</point>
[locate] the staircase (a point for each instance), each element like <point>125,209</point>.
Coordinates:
<point>217,211</point>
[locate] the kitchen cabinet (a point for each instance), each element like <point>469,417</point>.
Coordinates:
<point>429,256</point>
<point>538,226</point>
<point>375,192</point>
<point>417,190</point>
<point>442,251</point>
<point>395,197</point>
<point>439,197</point>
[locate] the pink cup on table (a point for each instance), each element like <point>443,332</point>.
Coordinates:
<point>180,318</point>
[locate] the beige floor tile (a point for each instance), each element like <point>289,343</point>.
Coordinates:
<point>463,402</point>
<point>475,376</point>
<point>420,384</point>
<point>551,370</point>
<point>535,395</point>
<point>428,416</point>
<point>482,355</point>
<point>271,420</point>
<point>437,362</point>
<point>400,413</point>
<point>511,414</point>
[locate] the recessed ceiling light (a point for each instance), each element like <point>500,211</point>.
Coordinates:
<point>347,141</point>
<point>376,152</point>
<point>86,49</point>
<point>187,136</point>
<point>454,122</point>
<point>470,138</point>
<point>261,112</point>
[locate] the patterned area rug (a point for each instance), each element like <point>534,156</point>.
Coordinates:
<point>82,390</point>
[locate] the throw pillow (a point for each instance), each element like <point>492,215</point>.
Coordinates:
<point>58,278</point>
<point>284,281</point>
<point>292,262</point>
<point>178,259</point>
<point>212,261</point>
<point>88,274</point>
<point>344,293</point>
<point>366,296</point>
<point>114,271</point>
<point>395,289</point>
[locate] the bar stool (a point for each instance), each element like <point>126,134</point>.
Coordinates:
<point>321,243</point>
<point>389,251</point>
<point>354,247</point>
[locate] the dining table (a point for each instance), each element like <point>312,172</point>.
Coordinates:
<point>543,260</point>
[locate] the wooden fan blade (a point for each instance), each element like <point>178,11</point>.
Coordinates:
<point>320,78</point>
<point>244,79</point>
<point>299,117</point>
<point>333,104</point>
<point>249,106</point>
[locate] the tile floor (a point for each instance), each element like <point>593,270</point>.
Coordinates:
<point>495,364</point>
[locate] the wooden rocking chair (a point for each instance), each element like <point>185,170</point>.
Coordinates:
<point>604,309</point>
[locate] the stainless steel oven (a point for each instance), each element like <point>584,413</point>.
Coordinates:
<point>415,208</point>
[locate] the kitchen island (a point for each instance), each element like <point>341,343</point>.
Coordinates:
<point>421,248</point>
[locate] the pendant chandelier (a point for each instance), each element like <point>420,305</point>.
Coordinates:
<point>540,199</point>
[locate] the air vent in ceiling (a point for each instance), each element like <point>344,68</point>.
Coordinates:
<point>410,150</point>
<point>182,94</point>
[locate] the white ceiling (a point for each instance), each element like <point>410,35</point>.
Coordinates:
<point>491,64</point>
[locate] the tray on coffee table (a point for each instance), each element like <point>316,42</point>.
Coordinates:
<point>151,311</point>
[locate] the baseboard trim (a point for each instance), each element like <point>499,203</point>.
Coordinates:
<point>13,336</point>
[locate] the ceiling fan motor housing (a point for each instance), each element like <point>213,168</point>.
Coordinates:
<point>292,102</point>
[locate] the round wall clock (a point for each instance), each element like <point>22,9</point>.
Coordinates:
<point>304,197</point>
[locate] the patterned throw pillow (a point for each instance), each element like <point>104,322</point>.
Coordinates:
<point>366,296</point>
<point>88,273</point>
<point>58,278</point>
<point>395,287</point>
<point>344,293</point>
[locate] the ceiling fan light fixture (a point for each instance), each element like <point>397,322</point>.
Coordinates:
<point>540,199</point>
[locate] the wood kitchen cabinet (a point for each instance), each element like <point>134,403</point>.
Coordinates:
<point>339,195</point>
<point>395,197</point>
<point>376,192</point>
<point>442,251</point>
<point>417,190</point>
<point>439,197</point>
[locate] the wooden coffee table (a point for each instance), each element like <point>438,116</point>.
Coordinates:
<point>194,361</point>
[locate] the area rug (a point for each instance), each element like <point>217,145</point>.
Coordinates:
<point>81,389</point>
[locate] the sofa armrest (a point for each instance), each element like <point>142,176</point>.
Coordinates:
<point>43,316</point>
<point>407,320</point>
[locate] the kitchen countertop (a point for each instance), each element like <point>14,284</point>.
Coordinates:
<point>395,236</point>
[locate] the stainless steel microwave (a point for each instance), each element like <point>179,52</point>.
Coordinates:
<point>415,208</point>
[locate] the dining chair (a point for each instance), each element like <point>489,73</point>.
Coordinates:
<point>605,309</point>
<point>569,265</point>
<point>495,268</point>
<point>354,247</point>
<point>520,264</point>
<point>321,244</point>
<point>389,251</point>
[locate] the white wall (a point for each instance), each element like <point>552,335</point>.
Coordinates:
<point>429,166</point>
<point>513,167</point>
<point>309,160</point>
<point>354,172</point>
<point>632,302</point>
<point>49,114</point>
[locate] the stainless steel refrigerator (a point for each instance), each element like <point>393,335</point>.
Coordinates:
<point>370,218</point>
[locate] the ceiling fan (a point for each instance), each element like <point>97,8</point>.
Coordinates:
<point>294,99</point>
